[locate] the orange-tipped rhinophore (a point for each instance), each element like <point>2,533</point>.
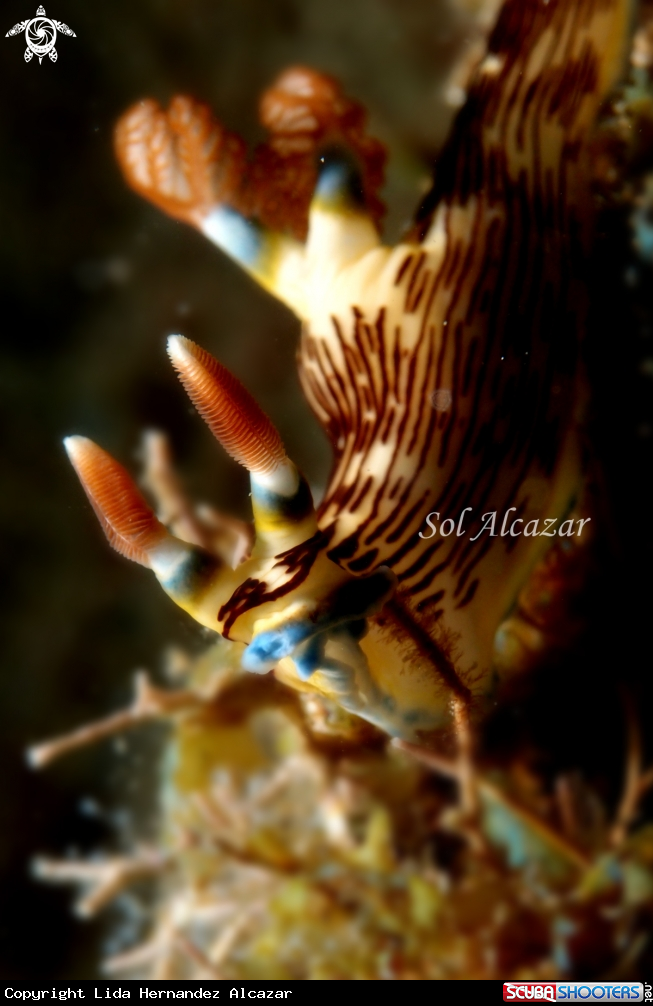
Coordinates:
<point>228,409</point>
<point>128,522</point>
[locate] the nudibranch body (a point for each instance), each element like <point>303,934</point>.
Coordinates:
<point>446,370</point>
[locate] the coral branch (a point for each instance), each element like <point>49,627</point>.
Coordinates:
<point>632,789</point>
<point>149,703</point>
<point>452,770</point>
<point>188,948</point>
<point>237,535</point>
<point>232,933</point>
<point>227,537</point>
<point>565,798</point>
<point>105,879</point>
<point>174,508</point>
<point>646,781</point>
<point>143,954</point>
<point>466,771</point>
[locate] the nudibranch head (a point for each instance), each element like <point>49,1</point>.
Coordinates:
<point>289,601</point>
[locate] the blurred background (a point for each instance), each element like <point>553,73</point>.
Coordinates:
<point>93,280</point>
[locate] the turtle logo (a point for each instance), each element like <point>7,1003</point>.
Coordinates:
<point>40,35</point>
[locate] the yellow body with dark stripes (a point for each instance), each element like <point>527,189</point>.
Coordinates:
<point>446,371</point>
<point>487,312</point>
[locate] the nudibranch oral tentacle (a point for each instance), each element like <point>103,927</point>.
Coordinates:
<point>447,370</point>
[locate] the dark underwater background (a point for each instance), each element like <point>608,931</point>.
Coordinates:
<point>93,279</point>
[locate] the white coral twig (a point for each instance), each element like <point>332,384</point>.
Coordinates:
<point>149,703</point>
<point>104,879</point>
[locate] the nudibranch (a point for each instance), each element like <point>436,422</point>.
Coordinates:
<point>447,370</point>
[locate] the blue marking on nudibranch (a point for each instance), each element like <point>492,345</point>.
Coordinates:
<point>189,574</point>
<point>289,508</point>
<point>266,649</point>
<point>239,237</point>
<point>311,657</point>
<point>339,180</point>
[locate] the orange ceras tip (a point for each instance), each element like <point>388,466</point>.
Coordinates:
<point>128,522</point>
<point>227,408</point>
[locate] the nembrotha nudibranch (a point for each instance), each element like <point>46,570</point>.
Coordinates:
<point>446,370</point>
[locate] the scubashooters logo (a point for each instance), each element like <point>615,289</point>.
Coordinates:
<point>40,35</point>
<point>572,992</point>
<point>172,990</point>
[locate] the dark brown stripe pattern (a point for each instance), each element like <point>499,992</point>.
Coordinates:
<point>456,385</point>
